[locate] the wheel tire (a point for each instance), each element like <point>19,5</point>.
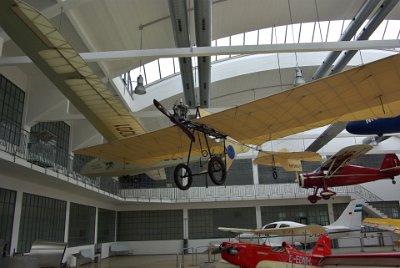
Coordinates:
<point>178,177</point>
<point>217,165</point>
<point>312,198</point>
<point>275,174</point>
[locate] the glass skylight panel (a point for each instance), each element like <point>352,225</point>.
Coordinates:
<point>222,42</point>
<point>176,65</point>
<point>251,38</point>
<point>237,40</point>
<point>378,33</point>
<point>306,33</point>
<point>264,37</point>
<point>279,35</point>
<point>134,74</point>
<point>166,66</point>
<point>152,72</point>
<point>213,44</point>
<point>293,33</point>
<point>392,30</point>
<point>335,30</point>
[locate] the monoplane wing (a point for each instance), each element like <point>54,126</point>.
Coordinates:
<point>57,59</point>
<point>290,161</point>
<point>300,230</point>
<point>367,91</point>
<point>392,225</point>
<point>344,156</point>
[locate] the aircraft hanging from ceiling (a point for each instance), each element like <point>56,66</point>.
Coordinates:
<point>253,255</point>
<point>336,172</point>
<point>348,224</point>
<point>289,161</point>
<point>364,92</point>
<point>374,126</point>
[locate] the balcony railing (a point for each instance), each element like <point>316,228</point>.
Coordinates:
<point>19,144</point>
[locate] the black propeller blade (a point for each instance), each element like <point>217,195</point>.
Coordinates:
<point>173,120</point>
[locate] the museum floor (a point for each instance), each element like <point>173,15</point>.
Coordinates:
<point>170,261</point>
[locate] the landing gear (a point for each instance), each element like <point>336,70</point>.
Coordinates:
<point>393,181</point>
<point>274,174</point>
<point>313,198</point>
<point>183,176</point>
<point>326,194</point>
<point>217,170</point>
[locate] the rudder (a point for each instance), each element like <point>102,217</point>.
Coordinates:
<point>323,247</point>
<point>390,161</point>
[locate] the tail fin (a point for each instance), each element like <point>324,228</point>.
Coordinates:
<point>351,216</point>
<point>323,247</point>
<point>390,162</point>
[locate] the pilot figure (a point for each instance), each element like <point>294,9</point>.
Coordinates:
<point>180,111</point>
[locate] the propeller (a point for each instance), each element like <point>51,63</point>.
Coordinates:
<point>173,120</point>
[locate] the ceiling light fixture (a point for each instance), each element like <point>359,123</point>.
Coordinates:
<point>140,89</point>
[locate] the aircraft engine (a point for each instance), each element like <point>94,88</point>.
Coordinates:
<point>301,180</point>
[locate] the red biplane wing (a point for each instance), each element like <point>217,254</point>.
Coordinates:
<point>344,157</point>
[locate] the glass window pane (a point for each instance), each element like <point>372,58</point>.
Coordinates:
<point>279,35</point>
<point>166,66</point>
<point>293,33</point>
<point>251,38</point>
<point>152,72</point>
<point>335,28</point>
<point>265,36</point>
<point>222,43</point>
<point>307,32</point>
<point>237,40</point>
<point>378,34</point>
<point>392,29</point>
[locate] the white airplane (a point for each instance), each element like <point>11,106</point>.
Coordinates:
<point>348,224</point>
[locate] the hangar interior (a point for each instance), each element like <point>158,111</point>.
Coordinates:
<point>251,49</point>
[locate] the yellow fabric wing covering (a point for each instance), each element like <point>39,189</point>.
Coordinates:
<point>368,91</point>
<point>385,224</point>
<point>290,161</point>
<point>165,144</point>
<point>51,52</point>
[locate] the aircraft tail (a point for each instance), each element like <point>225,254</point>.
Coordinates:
<point>390,162</point>
<point>351,216</point>
<point>322,247</point>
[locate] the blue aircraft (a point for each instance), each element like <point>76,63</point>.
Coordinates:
<point>374,126</point>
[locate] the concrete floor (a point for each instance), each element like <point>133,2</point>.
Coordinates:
<point>165,261</point>
<point>171,261</point>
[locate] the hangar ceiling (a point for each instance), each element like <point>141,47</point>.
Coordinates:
<point>112,25</point>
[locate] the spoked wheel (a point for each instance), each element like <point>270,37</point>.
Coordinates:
<point>217,170</point>
<point>313,198</point>
<point>183,176</point>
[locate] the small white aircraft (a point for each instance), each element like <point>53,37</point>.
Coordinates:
<point>348,224</point>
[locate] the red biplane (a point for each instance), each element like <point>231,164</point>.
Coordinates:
<point>336,172</point>
<point>253,255</point>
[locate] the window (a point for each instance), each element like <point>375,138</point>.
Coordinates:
<point>11,111</point>
<point>42,218</point>
<point>7,207</point>
<point>105,226</point>
<point>81,225</point>
<point>150,225</point>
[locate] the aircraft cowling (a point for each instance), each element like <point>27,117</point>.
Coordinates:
<point>301,180</point>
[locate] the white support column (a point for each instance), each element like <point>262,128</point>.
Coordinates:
<point>185,223</point>
<point>1,45</point>
<point>116,227</point>
<point>330,213</point>
<point>96,222</point>
<point>255,172</point>
<point>16,221</point>
<point>258,217</point>
<point>66,230</point>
